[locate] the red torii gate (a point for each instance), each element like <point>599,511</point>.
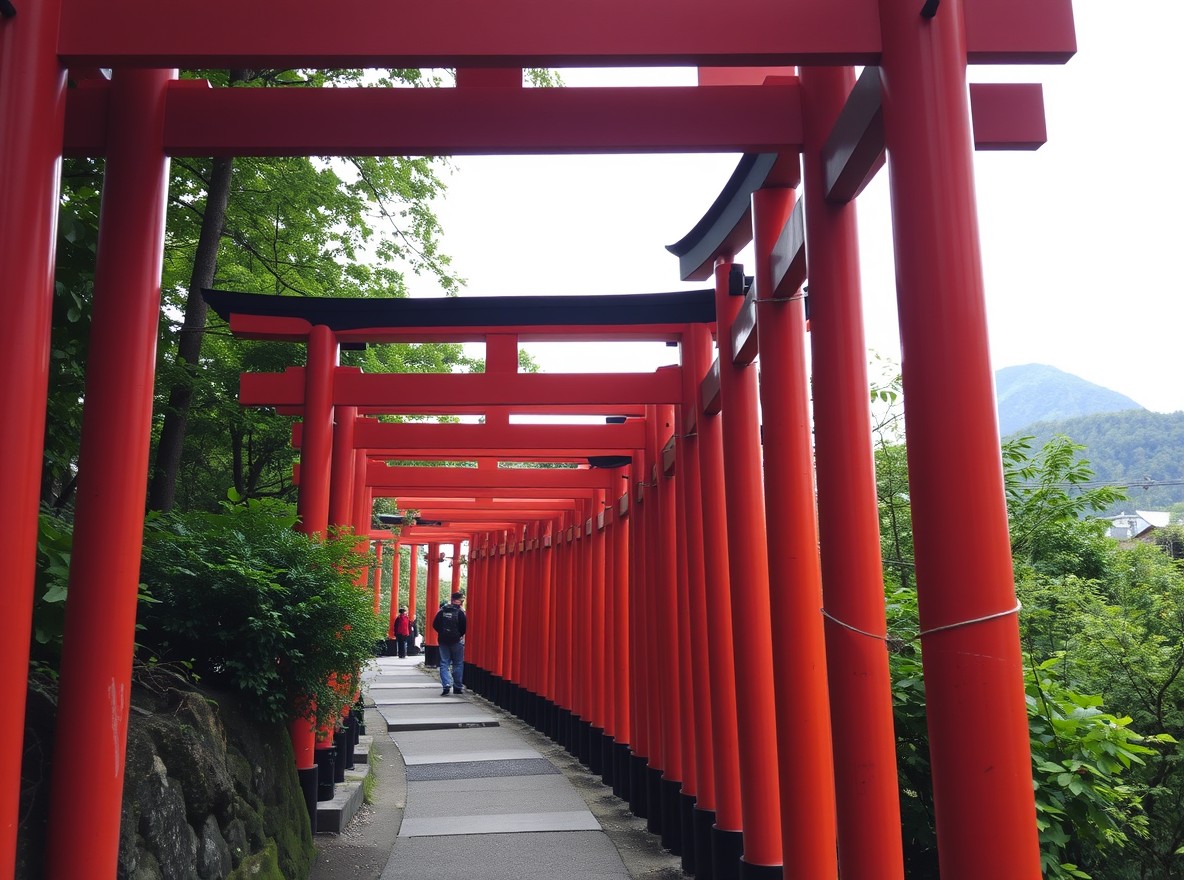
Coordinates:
<point>141,117</point>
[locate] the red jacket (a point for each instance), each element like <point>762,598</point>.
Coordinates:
<point>402,625</point>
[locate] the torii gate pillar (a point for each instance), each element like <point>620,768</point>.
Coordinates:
<point>32,117</point>
<point>972,652</point>
<point>87,786</point>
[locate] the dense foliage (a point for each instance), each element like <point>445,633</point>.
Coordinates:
<point>1103,634</point>
<point>272,614</point>
<point>1140,449</point>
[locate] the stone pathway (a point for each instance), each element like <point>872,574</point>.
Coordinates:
<point>481,800</point>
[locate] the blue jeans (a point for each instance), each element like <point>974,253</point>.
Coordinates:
<point>452,665</point>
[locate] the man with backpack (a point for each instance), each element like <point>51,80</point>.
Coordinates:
<point>450,625</point>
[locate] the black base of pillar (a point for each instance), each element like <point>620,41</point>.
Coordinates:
<point>351,740</point>
<point>496,687</point>
<point>671,819</point>
<point>653,798</point>
<point>637,786</point>
<point>621,770</point>
<point>608,765</point>
<point>564,726</point>
<point>686,804</point>
<point>308,787</point>
<point>340,742</point>
<point>595,735</point>
<point>583,739</point>
<point>727,848</point>
<point>760,872</point>
<point>431,656</point>
<point>326,786</point>
<point>702,821</point>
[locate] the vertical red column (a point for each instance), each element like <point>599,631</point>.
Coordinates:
<point>970,635</point>
<point>596,547</point>
<point>32,113</point>
<point>867,798</point>
<point>622,654</point>
<point>316,444</point>
<point>651,684</point>
<point>498,609</point>
<point>87,786</point>
<point>665,634</point>
<point>638,653</point>
<point>808,836</point>
<point>341,482</point>
<point>378,581</point>
<point>583,631</point>
<point>432,600</point>
<point>748,567</point>
<point>396,577</point>
<point>696,665</point>
<point>542,633</point>
<point>727,843</point>
<point>412,587</point>
<point>686,684</point>
<point>608,641</point>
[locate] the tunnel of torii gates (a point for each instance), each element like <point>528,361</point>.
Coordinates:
<point>590,588</point>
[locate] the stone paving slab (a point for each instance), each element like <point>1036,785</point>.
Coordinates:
<point>477,758</point>
<point>422,746</point>
<point>586,855</point>
<point>425,800</point>
<point>504,823</point>
<point>548,779</point>
<point>489,768</point>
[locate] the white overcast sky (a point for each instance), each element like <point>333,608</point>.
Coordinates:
<point>1081,239</point>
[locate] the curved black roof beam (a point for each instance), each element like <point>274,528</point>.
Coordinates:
<point>356,313</point>
<point>726,227</point>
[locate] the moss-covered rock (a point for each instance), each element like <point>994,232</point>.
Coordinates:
<point>208,794</point>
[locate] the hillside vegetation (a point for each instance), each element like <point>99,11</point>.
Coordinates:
<point>1142,449</point>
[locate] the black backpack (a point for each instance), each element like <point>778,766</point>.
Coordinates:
<point>449,628</point>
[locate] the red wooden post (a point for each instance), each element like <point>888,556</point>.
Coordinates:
<point>498,605</point>
<point>32,113</point>
<point>87,786</point>
<point>686,685</point>
<point>622,653</point>
<point>972,652</point>
<point>432,598</point>
<point>748,567</point>
<point>726,839</point>
<point>808,836</point>
<point>608,640</point>
<point>413,584</point>
<point>396,577</point>
<point>596,606</point>
<point>665,635</point>
<point>638,652</point>
<point>867,798</point>
<point>316,443</point>
<point>650,685</point>
<point>698,645</point>
<point>378,581</point>
<point>341,482</point>
<point>546,615</point>
<point>583,628</point>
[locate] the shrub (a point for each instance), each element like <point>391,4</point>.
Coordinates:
<point>272,613</point>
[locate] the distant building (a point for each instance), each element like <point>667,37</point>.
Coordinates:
<point>1134,526</point>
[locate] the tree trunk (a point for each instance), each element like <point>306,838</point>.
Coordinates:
<point>163,488</point>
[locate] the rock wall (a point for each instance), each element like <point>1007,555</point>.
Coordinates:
<point>208,794</point>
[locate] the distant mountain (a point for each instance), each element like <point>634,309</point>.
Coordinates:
<point>1037,393</point>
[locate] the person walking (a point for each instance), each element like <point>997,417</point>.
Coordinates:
<point>450,625</point>
<point>402,631</point>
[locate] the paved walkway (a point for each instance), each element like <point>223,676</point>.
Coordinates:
<point>485,796</point>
